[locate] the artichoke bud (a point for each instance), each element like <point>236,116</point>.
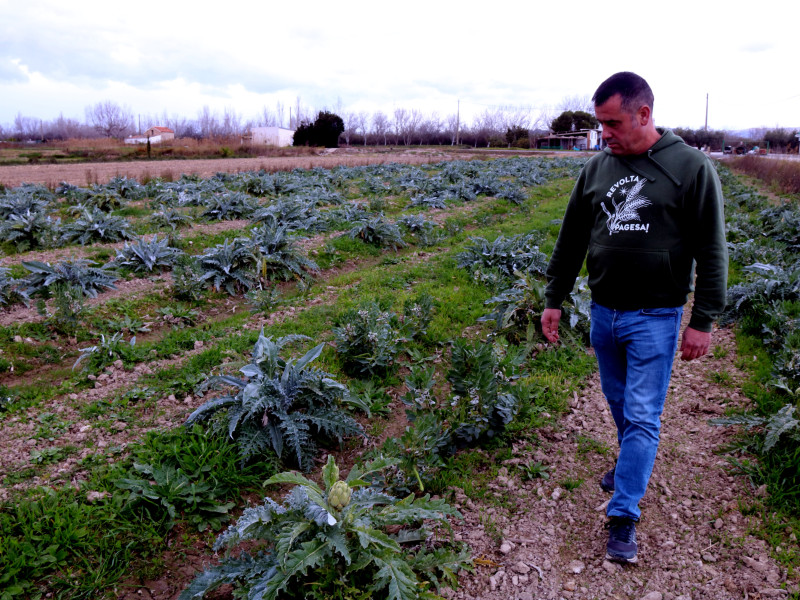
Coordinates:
<point>339,495</point>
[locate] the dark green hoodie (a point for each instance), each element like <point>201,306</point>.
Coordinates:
<point>645,220</point>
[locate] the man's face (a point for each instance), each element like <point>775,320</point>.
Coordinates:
<point>623,131</point>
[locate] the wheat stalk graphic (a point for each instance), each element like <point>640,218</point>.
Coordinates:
<point>628,209</point>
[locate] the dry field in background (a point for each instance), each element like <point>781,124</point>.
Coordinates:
<point>87,173</point>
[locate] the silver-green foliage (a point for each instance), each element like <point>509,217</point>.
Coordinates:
<point>781,423</point>
<point>109,349</point>
<point>30,229</point>
<point>378,232</point>
<point>332,537</point>
<point>282,405</point>
<point>96,226</point>
<point>10,289</point>
<point>78,272</point>
<point>144,255</point>
<point>277,254</point>
<point>230,266</point>
<point>367,338</point>
<point>165,216</point>
<point>229,206</point>
<point>517,310</point>
<point>517,253</point>
<point>186,281</point>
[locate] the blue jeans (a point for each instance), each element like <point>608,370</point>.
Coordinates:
<point>635,350</point>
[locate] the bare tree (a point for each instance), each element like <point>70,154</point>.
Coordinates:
<point>280,113</point>
<point>350,124</point>
<point>380,125</point>
<point>577,102</point>
<point>65,129</point>
<point>451,128</point>
<point>487,125</point>
<point>362,119</point>
<point>400,123</point>
<point>265,118</point>
<point>231,122</point>
<point>109,118</point>
<point>27,127</point>
<point>207,123</point>
<point>412,127</point>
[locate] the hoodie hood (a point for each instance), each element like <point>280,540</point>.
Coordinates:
<point>638,162</point>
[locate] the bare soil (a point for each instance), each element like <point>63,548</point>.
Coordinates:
<point>88,173</point>
<point>694,541</point>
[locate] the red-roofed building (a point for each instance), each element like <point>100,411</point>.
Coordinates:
<point>165,132</point>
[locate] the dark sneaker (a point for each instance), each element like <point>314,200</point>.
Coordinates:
<point>621,545</point>
<point>607,482</point>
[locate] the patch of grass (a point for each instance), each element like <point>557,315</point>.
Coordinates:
<point>587,445</point>
<point>571,484</point>
<point>471,471</point>
<point>719,352</point>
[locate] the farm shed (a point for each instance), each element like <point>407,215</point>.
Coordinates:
<point>270,136</point>
<point>156,135</point>
<point>164,133</point>
<point>583,139</point>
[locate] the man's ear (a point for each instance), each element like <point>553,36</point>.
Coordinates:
<point>644,114</point>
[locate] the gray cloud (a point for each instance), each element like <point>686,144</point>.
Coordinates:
<point>10,72</point>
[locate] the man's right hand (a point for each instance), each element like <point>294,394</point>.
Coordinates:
<point>550,319</point>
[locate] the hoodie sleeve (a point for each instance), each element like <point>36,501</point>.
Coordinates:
<point>709,249</point>
<point>570,248</point>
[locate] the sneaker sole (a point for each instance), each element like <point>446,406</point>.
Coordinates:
<point>622,559</point>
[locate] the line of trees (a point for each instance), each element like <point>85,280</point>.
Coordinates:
<point>400,127</point>
<point>497,126</point>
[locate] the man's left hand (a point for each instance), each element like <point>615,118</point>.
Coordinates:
<point>694,344</point>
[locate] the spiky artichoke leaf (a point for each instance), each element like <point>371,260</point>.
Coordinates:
<point>338,541</point>
<point>295,432</point>
<point>396,577</point>
<point>310,554</point>
<point>315,493</point>
<point>411,509</point>
<point>368,536</point>
<point>359,473</point>
<point>443,564</point>
<point>309,356</point>
<point>251,525</point>
<point>287,537</point>
<point>779,423</point>
<point>209,408</point>
<point>233,570</point>
<point>319,514</point>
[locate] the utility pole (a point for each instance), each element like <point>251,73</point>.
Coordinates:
<point>458,119</point>
<point>706,128</point>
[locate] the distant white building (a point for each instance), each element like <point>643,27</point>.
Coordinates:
<point>583,139</point>
<point>269,136</point>
<point>156,135</point>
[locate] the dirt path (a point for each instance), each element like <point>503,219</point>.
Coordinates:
<point>694,542</point>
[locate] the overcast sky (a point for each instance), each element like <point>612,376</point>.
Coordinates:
<point>57,57</point>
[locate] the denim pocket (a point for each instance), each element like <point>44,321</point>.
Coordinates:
<point>660,312</point>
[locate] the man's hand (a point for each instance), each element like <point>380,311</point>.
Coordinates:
<point>694,344</point>
<point>550,319</point>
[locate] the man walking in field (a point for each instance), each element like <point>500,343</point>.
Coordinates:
<point>649,212</point>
